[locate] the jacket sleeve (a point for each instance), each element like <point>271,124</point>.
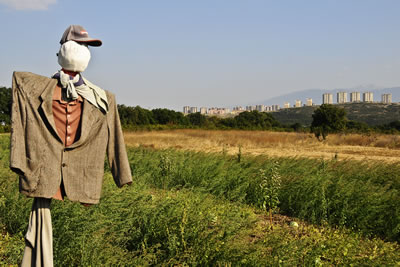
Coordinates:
<point>116,151</point>
<point>18,123</point>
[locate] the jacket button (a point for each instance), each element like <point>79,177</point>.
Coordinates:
<point>64,164</point>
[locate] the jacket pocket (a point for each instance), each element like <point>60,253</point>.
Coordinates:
<point>30,179</point>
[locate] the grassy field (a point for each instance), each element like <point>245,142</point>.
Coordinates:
<point>188,207</point>
<point>274,144</point>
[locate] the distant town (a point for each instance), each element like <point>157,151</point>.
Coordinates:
<point>327,98</point>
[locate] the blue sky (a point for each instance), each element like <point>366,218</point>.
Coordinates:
<point>171,53</point>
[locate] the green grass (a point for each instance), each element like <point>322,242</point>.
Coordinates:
<point>353,194</point>
<point>203,213</point>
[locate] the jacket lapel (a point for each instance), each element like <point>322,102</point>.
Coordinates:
<point>89,117</point>
<point>47,107</point>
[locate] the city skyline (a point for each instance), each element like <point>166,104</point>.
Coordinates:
<point>327,98</point>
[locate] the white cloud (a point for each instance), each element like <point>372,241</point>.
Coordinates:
<point>28,4</point>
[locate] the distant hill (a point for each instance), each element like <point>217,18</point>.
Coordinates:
<point>316,95</point>
<point>370,113</point>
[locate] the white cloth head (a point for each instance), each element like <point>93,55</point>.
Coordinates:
<point>73,56</point>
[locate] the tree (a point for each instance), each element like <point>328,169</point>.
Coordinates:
<point>135,116</point>
<point>197,119</point>
<point>256,120</point>
<point>167,116</point>
<point>5,105</point>
<point>328,119</point>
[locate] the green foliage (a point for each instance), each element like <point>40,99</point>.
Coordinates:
<point>167,116</point>
<point>204,219</point>
<point>270,186</point>
<point>390,128</point>
<point>356,195</point>
<point>136,226</point>
<point>328,119</point>
<point>352,194</point>
<point>197,119</point>
<point>139,118</point>
<point>166,169</point>
<point>395,125</point>
<point>5,105</point>
<point>255,120</point>
<point>297,127</point>
<point>135,115</point>
<point>357,127</point>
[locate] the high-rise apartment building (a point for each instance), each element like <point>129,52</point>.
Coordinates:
<point>203,110</point>
<point>387,98</point>
<point>309,102</point>
<point>186,110</point>
<point>341,97</point>
<point>298,104</point>
<point>238,108</point>
<point>218,111</point>
<point>274,107</point>
<point>260,108</point>
<point>355,97</point>
<point>286,105</point>
<point>193,109</point>
<point>368,97</point>
<point>327,98</point>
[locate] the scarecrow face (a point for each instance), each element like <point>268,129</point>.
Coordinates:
<point>74,56</point>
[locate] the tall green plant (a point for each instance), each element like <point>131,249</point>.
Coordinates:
<point>166,168</point>
<point>270,186</point>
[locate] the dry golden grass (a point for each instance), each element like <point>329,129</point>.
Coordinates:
<point>280,144</point>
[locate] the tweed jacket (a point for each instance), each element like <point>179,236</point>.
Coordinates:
<point>39,156</point>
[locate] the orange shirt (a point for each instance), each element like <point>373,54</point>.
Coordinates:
<point>67,118</point>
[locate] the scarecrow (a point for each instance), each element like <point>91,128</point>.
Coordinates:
<point>62,128</point>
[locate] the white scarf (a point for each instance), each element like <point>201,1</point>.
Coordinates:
<point>92,93</point>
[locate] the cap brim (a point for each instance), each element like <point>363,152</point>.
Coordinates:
<point>89,41</point>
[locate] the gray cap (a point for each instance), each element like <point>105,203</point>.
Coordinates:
<point>78,34</point>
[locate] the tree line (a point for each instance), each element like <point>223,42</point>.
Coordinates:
<point>326,119</point>
<point>136,117</point>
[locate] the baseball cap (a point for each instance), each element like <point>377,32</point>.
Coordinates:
<point>78,34</point>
